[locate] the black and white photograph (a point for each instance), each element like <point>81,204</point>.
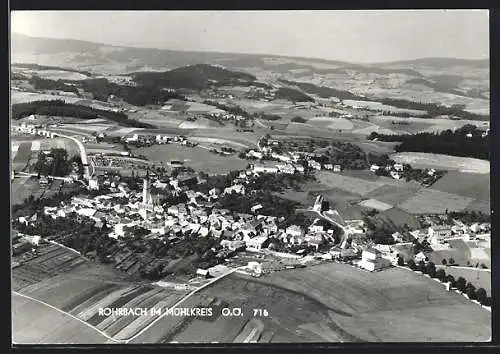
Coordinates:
<point>271,176</point>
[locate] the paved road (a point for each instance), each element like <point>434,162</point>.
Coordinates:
<point>345,233</point>
<point>83,154</point>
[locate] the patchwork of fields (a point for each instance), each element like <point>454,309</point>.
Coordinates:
<point>456,191</point>
<point>60,279</point>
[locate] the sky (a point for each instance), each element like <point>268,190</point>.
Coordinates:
<point>356,36</point>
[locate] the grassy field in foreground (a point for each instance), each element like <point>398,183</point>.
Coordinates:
<point>392,305</point>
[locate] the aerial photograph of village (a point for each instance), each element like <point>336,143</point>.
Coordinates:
<point>250,177</point>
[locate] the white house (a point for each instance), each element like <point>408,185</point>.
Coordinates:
<point>264,169</point>
<point>255,244</point>
<point>374,168</point>
<point>371,260</point>
<point>395,175</point>
<point>256,207</point>
<point>285,168</point>
<point>314,164</point>
<point>398,167</point>
<point>294,230</point>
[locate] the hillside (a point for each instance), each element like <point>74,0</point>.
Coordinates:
<point>194,77</point>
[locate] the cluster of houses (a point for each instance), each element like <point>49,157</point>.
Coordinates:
<point>459,241</point>
<point>32,129</point>
<point>395,170</point>
<point>124,212</point>
<point>225,116</point>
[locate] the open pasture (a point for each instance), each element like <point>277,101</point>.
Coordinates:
<point>439,161</point>
<point>357,299</point>
<point>472,185</point>
<point>349,184</point>
<point>25,97</point>
<point>372,105</point>
<point>394,194</point>
<point>331,123</point>
<point>428,201</point>
<point>397,217</point>
<point>196,157</point>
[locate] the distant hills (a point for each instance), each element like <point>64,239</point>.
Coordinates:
<point>85,53</point>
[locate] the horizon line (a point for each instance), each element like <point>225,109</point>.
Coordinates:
<point>251,54</point>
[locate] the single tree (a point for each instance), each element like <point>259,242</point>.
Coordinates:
<point>441,275</point>
<point>411,264</point>
<point>451,261</point>
<point>443,262</point>
<point>451,279</point>
<point>481,296</point>
<point>401,261</point>
<point>422,267</point>
<point>460,284</point>
<point>471,293</point>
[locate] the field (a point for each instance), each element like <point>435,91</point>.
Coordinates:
<point>398,218</point>
<point>35,323</point>
<point>24,187</point>
<point>428,201</point>
<point>62,279</point>
<point>331,123</point>
<point>472,185</point>
<point>198,158</point>
<point>375,204</point>
<point>24,97</point>
<point>393,194</point>
<point>349,184</point>
<point>379,106</point>
<point>446,162</point>
<point>342,303</point>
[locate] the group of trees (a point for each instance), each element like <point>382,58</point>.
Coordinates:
<point>433,109</point>
<point>271,204</point>
<point>293,95</point>
<point>447,142</point>
<point>194,77</point>
<point>298,119</point>
<point>322,91</point>
<point>236,110</point>
<point>469,216</point>
<point>63,109</point>
<point>460,284</point>
<point>48,84</point>
<point>56,163</point>
<point>101,89</point>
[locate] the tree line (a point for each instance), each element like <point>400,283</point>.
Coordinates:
<point>63,109</point>
<point>48,84</point>
<point>447,142</point>
<point>460,283</point>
